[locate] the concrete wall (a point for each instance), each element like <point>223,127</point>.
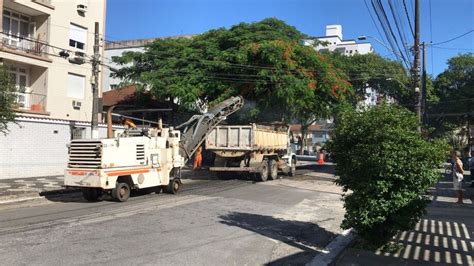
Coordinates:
<point>108,81</point>
<point>37,147</point>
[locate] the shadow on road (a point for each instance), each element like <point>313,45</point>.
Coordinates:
<point>305,236</point>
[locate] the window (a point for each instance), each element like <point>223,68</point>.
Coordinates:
<point>76,86</point>
<point>19,76</point>
<point>16,26</point>
<point>77,37</point>
<point>78,133</point>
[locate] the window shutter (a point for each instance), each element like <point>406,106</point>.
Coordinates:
<point>76,86</point>
<point>78,34</point>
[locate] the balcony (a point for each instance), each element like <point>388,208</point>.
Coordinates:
<point>23,45</point>
<point>30,103</point>
<point>46,3</point>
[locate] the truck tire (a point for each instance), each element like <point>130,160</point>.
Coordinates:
<point>272,170</point>
<point>91,194</point>
<point>262,175</point>
<point>121,192</point>
<point>292,171</point>
<point>173,187</point>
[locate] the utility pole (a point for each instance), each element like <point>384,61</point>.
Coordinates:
<point>416,64</point>
<point>95,85</point>
<point>423,85</point>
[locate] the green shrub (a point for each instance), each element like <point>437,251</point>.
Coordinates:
<point>7,100</point>
<point>385,168</point>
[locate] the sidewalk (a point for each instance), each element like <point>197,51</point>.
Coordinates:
<point>24,188</point>
<point>444,236</point>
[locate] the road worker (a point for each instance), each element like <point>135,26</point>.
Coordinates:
<point>128,123</point>
<point>198,158</point>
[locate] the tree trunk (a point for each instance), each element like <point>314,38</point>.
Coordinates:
<point>304,134</point>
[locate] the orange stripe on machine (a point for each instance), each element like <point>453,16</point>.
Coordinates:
<point>128,172</point>
<point>82,172</point>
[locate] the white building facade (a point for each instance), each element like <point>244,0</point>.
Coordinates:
<point>46,46</point>
<point>333,42</point>
<point>117,48</point>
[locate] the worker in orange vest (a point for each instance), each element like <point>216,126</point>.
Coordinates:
<point>198,158</point>
<point>127,123</point>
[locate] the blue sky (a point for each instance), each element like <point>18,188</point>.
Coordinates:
<point>135,19</point>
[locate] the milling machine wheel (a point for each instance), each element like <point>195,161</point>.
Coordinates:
<point>173,187</point>
<point>121,192</point>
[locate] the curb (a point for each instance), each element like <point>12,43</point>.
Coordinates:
<point>333,249</point>
<point>40,195</point>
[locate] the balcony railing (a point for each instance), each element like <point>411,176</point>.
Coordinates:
<point>30,102</point>
<point>24,44</point>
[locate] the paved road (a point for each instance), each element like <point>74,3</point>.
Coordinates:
<point>212,222</point>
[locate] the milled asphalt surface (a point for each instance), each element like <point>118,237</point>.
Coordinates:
<point>211,222</point>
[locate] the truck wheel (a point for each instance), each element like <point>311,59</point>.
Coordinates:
<point>292,171</point>
<point>173,187</point>
<point>272,170</point>
<point>263,173</point>
<point>91,194</point>
<point>121,192</point>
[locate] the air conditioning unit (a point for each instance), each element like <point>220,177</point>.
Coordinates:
<point>76,104</point>
<point>82,8</point>
<point>78,58</point>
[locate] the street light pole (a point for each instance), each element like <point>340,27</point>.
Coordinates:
<point>95,85</point>
<point>423,86</point>
<point>416,63</point>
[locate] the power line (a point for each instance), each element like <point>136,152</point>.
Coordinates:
<point>400,30</point>
<point>388,30</point>
<point>452,39</point>
<point>452,48</point>
<point>431,40</point>
<point>373,20</point>
<point>408,17</point>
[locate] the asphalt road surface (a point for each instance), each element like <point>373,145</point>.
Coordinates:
<point>210,222</point>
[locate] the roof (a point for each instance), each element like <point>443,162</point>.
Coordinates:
<point>124,44</point>
<point>316,127</point>
<point>117,96</point>
<point>329,36</point>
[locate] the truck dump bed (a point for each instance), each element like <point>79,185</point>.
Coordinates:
<point>248,138</point>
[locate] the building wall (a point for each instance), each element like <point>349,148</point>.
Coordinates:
<point>109,82</point>
<point>53,26</point>
<point>37,147</point>
<point>65,13</point>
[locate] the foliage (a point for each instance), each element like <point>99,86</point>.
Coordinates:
<point>372,70</point>
<point>280,78</point>
<point>384,167</point>
<point>455,89</point>
<point>7,100</point>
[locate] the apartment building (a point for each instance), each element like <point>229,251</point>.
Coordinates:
<point>34,35</point>
<point>333,42</point>
<point>47,45</point>
<point>117,48</point>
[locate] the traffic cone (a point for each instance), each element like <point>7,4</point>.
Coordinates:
<point>321,158</point>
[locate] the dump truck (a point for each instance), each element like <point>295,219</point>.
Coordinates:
<point>260,151</point>
<point>136,159</point>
